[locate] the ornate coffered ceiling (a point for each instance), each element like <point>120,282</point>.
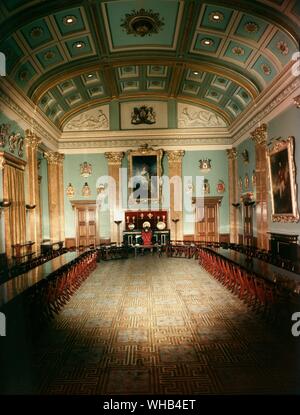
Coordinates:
<point>71,56</point>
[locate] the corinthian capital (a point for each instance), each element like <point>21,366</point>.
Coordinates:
<point>297,101</point>
<point>175,156</point>
<point>232,153</point>
<point>2,162</point>
<point>31,140</point>
<point>114,157</point>
<point>259,135</point>
<point>53,157</point>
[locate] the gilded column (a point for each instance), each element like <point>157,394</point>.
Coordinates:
<point>114,160</point>
<point>259,136</point>
<point>56,195</point>
<point>176,202</point>
<point>32,142</point>
<point>233,193</point>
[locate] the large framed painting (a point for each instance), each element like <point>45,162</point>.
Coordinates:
<point>145,171</point>
<point>282,173</point>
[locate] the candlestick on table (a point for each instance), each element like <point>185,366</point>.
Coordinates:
<point>175,220</point>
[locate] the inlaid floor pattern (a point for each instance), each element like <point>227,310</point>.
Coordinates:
<point>152,325</point>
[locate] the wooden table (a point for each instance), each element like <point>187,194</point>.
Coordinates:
<point>143,248</point>
<point>287,279</point>
<point>17,285</point>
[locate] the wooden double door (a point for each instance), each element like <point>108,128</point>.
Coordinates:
<point>207,219</point>
<point>86,223</point>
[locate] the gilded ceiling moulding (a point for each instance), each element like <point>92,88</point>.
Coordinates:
<point>261,115</point>
<point>30,121</point>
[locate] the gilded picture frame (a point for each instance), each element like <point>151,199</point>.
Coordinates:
<point>145,164</point>
<point>282,176</point>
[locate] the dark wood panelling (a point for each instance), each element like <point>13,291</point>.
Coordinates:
<point>285,246</point>
<point>70,242</point>
<point>188,237</point>
<point>224,238</point>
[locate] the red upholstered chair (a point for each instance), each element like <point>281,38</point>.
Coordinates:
<point>147,237</point>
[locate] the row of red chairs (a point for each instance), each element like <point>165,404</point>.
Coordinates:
<point>261,295</point>
<point>55,291</point>
<point>183,249</point>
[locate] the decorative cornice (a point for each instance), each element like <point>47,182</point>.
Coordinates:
<point>27,118</point>
<point>175,156</point>
<point>134,143</point>
<point>232,153</point>
<point>273,104</point>
<point>53,157</point>
<point>31,140</point>
<point>297,101</point>
<point>114,158</point>
<point>259,135</point>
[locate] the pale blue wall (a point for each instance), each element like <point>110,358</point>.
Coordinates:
<point>219,163</point>
<point>284,125</point>
<point>243,169</point>
<point>72,175</point>
<point>44,199</point>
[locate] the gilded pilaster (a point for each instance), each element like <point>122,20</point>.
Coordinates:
<point>233,193</point>
<point>33,199</point>
<point>175,169</point>
<point>114,160</point>
<point>259,136</point>
<point>56,194</point>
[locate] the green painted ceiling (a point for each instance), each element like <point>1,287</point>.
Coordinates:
<point>71,55</point>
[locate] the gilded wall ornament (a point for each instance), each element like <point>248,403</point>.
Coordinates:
<point>206,187</point>
<point>240,184</point>
<point>142,22</point>
<point>205,165</point>
<point>86,191</point>
<point>253,178</point>
<point>246,182</point>
<point>220,186</point>
<point>4,132</point>
<point>70,191</point>
<point>20,146</point>
<point>85,169</point>
<point>13,141</point>
<point>245,155</point>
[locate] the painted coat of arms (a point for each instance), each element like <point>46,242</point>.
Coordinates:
<point>143,115</point>
<point>85,169</point>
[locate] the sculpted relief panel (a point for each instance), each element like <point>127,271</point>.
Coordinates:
<point>91,120</point>
<point>190,116</point>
